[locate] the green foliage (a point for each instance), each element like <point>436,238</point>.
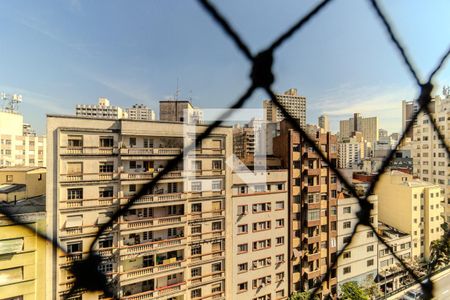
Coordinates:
<point>353,291</point>
<point>302,296</point>
<point>440,249</point>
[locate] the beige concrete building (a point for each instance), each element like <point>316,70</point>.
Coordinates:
<point>430,160</point>
<point>312,191</point>
<point>359,261</point>
<point>102,110</point>
<point>292,102</point>
<point>391,274</point>
<point>413,206</point>
<point>22,252</point>
<point>324,123</point>
<point>32,179</point>
<point>260,235</point>
<point>140,112</point>
<point>350,153</point>
<point>171,243</point>
<point>244,143</point>
<point>408,110</point>
<point>179,111</point>
<point>19,145</point>
<point>367,126</point>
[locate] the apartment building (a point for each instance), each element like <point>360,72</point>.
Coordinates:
<point>102,110</point>
<point>23,252</point>
<point>31,179</point>
<point>430,160</point>
<point>140,112</point>
<point>19,145</point>
<point>359,261</point>
<point>171,243</point>
<point>367,126</point>
<point>412,206</point>
<point>292,102</point>
<point>409,108</point>
<point>179,111</point>
<point>244,143</point>
<point>324,123</point>
<point>350,153</point>
<point>312,192</point>
<point>391,274</point>
<point>260,236</point>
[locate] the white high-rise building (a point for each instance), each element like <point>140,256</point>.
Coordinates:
<point>102,110</point>
<point>430,157</point>
<point>350,154</point>
<point>140,112</point>
<point>292,102</point>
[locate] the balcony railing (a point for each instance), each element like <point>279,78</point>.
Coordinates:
<point>88,150</point>
<point>133,175</point>
<point>87,203</point>
<point>139,248</point>
<point>87,177</point>
<point>151,222</point>
<point>150,151</point>
<point>158,292</point>
<point>156,198</point>
<point>132,274</point>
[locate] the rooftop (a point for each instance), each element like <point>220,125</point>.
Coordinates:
<point>390,232</point>
<point>8,188</point>
<point>19,169</point>
<point>30,205</point>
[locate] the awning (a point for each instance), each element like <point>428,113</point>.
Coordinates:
<point>74,221</point>
<point>11,246</point>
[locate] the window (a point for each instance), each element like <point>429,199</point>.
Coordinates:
<point>347,224</point>
<point>280,186</point>
<point>196,165</point>
<point>333,225</point>
<point>347,270</point>
<point>242,229</point>
<point>242,210</point>
<point>196,207</point>
<point>132,141</point>
<point>75,247</point>
<point>280,294</point>
<point>279,276</point>
<point>196,249</point>
<point>243,189</point>
<point>242,248</point>
<point>347,239</point>
<point>105,242</point>
<point>106,268</point>
<point>370,262</point>
<point>75,141</point>
<point>242,287</point>
<point>259,188</point>
<point>261,207</point>
<point>370,234</point>
<point>280,240</point>
<point>74,168</point>
<point>259,226</point>
<point>133,164</point>
<point>217,165</point>
<point>243,267</point>
<point>196,229</point>
<point>216,267</point>
<point>279,223</point>
<point>148,143</point>
<point>370,248</point>
<point>217,225</point>
<point>263,244</point>
<point>313,214</point>
<point>75,194</point>
<point>106,192</point>
<point>196,186</point>
<point>106,141</point>
<point>279,258</point>
<point>11,275</point>
<point>347,254</point>
<point>197,293</point>
<point>196,272</point>
<point>217,185</point>
<point>9,178</point>
<point>132,188</point>
<point>279,205</point>
<point>106,167</point>
<point>347,210</point>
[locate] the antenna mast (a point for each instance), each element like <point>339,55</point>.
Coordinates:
<point>10,103</point>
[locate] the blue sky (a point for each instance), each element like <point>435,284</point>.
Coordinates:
<point>59,53</point>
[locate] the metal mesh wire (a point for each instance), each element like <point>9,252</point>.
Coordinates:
<point>86,272</point>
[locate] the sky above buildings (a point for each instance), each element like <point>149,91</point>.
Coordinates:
<point>60,53</point>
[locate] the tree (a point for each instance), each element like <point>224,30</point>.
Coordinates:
<point>371,288</point>
<point>302,296</point>
<point>440,249</point>
<point>353,291</point>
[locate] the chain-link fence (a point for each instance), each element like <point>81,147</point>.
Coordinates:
<point>88,277</point>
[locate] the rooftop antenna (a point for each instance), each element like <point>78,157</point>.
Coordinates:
<point>177,92</point>
<point>190,96</point>
<point>11,102</point>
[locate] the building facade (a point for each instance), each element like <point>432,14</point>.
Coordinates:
<point>409,108</point>
<point>102,110</point>
<point>292,102</point>
<point>140,112</point>
<point>412,206</point>
<point>260,236</point>
<point>367,126</point>
<point>359,261</point>
<point>33,179</point>
<point>430,160</point>
<point>19,145</point>
<point>179,111</point>
<point>350,154</point>
<point>171,243</point>
<point>324,123</point>
<point>312,192</point>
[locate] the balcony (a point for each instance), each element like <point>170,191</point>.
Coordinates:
<point>151,222</point>
<point>312,188</point>
<point>150,151</point>
<point>208,151</point>
<point>135,175</point>
<point>157,198</point>
<point>87,177</point>
<point>158,269</point>
<point>311,274</point>
<point>68,204</point>
<point>144,247</point>
<point>311,239</point>
<point>158,292</point>
<point>90,150</point>
<point>310,256</point>
<point>312,172</point>
<point>214,172</point>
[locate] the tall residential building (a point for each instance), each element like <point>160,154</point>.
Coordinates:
<point>102,110</point>
<point>409,108</point>
<point>292,102</point>
<point>359,261</point>
<point>367,126</point>
<point>140,112</point>
<point>171,243</point>
<point>324,123</point>
<point>179,111</point>
<point>412,206</point>
<point>429,155</point>
<point>312,191</point>
<point>23,252</point>
<point>260,236</point>
<point>391,274</point>
<point>19,145</point>
<point>244,143</point>
<point>350,153</point>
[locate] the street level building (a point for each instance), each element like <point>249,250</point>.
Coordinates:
<point>292,102</point>
<point>171,243</point>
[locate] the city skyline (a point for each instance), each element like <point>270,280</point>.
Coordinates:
<point>71,59</point>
